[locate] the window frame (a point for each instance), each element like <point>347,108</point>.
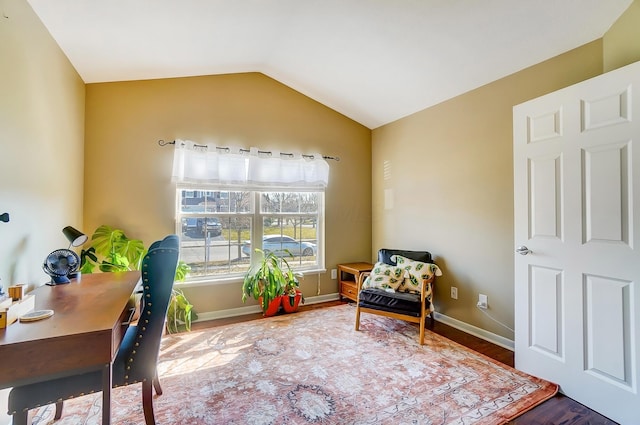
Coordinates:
<point>256,217</point>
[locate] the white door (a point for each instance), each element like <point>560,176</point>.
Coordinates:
<point>577,209</point>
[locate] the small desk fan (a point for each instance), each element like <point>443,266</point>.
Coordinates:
<point>59,264</point>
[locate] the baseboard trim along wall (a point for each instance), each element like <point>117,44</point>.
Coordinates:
<point>454,323</point>
<point>476,331</point>
<point>251,309</point>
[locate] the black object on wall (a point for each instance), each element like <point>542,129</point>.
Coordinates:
<point>4,217</point>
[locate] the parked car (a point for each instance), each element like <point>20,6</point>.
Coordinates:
<point>280,244</point>
<point>199,226</point>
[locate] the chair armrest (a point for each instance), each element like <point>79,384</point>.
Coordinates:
<point>427,287</point>
<point>361,279</point>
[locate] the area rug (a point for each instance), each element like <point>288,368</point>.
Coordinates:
<point>313,367</point>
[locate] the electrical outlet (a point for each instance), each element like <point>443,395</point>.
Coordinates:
<point>334,273</point>
<point>483,301</point>
<point>454,292</point>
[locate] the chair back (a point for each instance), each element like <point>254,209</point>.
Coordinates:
<point>158,275</point>
<point>384,255</point>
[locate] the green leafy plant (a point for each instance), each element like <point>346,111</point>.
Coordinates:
<point>269,279</point>
<point>180,310</point>
<point>182,270</point>
<point>112,251</point>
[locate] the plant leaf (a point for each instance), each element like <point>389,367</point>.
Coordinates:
<point>104,238</point>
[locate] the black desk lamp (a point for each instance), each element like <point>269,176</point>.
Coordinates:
<point>76,237</point>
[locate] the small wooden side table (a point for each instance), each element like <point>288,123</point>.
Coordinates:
<point>348,275</point>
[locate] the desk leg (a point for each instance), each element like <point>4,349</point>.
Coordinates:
<point>106,394</point>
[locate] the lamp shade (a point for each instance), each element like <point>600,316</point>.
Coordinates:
<point>75,236</point>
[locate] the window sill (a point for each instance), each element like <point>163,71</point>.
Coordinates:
<point>232,280</point>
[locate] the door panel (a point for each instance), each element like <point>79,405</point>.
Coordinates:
<point>546,311</point>
<point>545,188</point>
<point>577,202</point>
<point>605,111</point>
<point>545,126</point>
<point>607,198</point>
<point>609,341</point>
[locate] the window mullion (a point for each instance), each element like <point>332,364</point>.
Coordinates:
<point>256,228</point>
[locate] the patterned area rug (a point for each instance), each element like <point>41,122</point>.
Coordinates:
<point>313,367</point>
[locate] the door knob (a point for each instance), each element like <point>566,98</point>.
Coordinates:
<point>523,250</point>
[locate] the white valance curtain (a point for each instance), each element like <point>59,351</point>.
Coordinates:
<point>207,164</point>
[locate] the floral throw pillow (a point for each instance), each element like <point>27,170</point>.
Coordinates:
<point>384,276</point>
<point>415,273</point>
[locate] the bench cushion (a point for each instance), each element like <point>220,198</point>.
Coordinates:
<point>396,302</point>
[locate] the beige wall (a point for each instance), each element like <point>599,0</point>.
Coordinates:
<point>460,206</point>
<point>41,148</point>
<point>443,181</point>
<point>622,41</point>
<point>127,179</point>
<point>41,137</point>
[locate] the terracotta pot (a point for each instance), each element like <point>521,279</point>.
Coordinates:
<point>290,304</point>
<point>273,307</point>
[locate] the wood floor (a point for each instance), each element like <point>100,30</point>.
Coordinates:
<point>559,410</point>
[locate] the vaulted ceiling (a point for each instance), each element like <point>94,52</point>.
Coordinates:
<point>374,61</point>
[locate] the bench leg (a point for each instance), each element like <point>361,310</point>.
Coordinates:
<point>58,414</point>
<point>21,418</point>
<point>357,318</point>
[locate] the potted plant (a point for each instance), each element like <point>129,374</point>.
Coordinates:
<point>180,310</point>
<point>292,296</point>
<point>112,251</point>
<point>268,281</point>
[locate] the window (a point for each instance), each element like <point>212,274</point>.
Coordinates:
<point>220,229</point>
<point>230,201</point>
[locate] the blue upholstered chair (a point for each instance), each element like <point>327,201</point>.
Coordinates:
<point>137,357</point>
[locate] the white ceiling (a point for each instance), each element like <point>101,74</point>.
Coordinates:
<point>372,60</point>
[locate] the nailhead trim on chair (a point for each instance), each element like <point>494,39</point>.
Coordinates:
<point>145,278</point>
<point>51,402</point>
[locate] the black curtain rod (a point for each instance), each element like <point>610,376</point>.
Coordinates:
<point>163,143</point>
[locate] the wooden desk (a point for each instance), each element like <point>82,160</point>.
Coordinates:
<point>83,335</point>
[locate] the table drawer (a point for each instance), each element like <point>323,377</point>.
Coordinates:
<point>123,324</point>
<point>348,289</point>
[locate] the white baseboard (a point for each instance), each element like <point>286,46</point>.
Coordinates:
<point>476,331</point>
<point>454,323</point>
<point>251,309</point>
